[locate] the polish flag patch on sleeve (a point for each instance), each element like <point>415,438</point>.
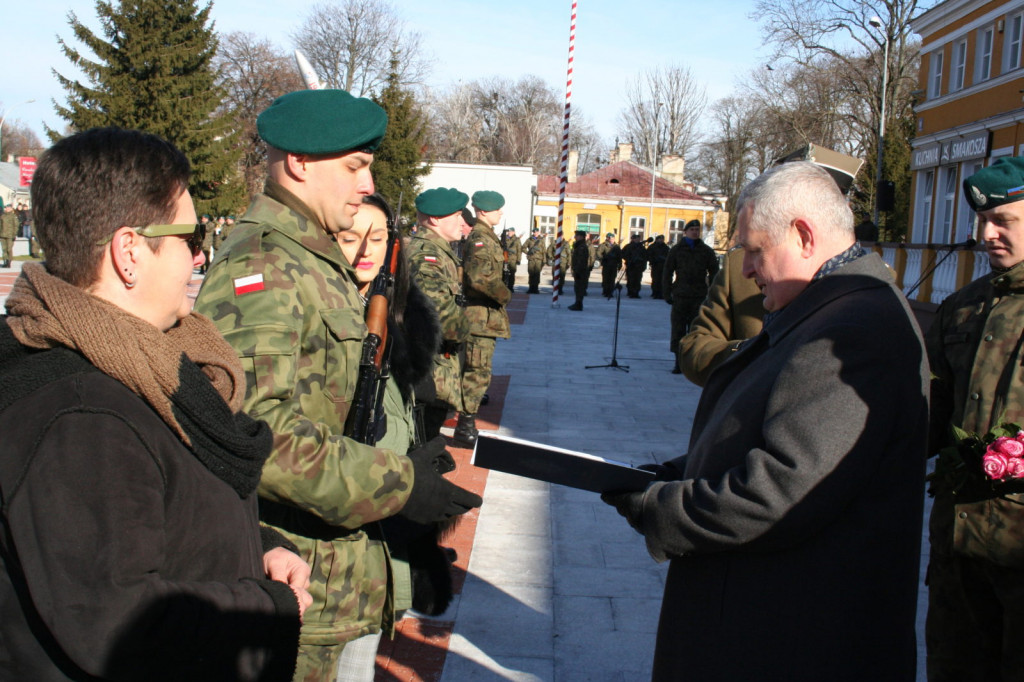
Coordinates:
<point>246,285</point>
<point>478,244</point>
<point>429,259</point>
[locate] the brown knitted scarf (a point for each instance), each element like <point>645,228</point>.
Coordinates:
<point>47,312</point>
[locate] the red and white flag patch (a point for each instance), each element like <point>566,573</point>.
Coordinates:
<point>245,285</point>
<point>478,244</point>
<point>429,259</point>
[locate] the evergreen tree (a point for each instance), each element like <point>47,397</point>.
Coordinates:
<point>396,163</point>
<point>153,72</point>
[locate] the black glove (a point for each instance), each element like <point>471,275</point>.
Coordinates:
<point>663,472</point>
<point>433,497</point>
<point>629,505</point>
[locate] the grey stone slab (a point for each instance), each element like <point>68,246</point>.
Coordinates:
<point>514,620</point>
<point>519,565</point>
<point>636,614</point>
<point>466,663</point>
<point>603,656</point>
<point>574,611</point>
<point>606,582</point>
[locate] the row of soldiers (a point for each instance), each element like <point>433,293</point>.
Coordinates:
<point>16,220</point>
<point>217,231</point>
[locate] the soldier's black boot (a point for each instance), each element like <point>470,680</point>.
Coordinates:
<point>465,430</point>
<point>6,264</point>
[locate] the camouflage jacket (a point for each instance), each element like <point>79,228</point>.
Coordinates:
<point>535,250</point>
<point>975,351</point>
<point>580,260</point>
<point>515,250</point>
<point>691,268</point>
<point>610,255</point>
<point>9,224</point>
<point>282,294</point>
<point>433,267</point>
<point>486,293</point>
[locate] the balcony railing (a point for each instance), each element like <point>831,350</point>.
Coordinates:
<point>944,269</point>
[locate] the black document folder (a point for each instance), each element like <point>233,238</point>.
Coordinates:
<point>556,465</point>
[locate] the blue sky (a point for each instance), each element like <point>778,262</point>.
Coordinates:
<point>468,40</point>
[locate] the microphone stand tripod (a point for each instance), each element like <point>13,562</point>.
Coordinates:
<point>614,364</point>
<point>966,245</point>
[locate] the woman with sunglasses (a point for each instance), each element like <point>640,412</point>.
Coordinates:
<point>129,538</point>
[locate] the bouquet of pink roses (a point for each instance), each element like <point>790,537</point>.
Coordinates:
<point>995,458</point>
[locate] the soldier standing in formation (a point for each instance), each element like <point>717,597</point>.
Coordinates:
<point>8,232</point>
<point>581,264</point>
<point>434,268</point>
<point>976,564</point>
<point>486,297</point>
<point>610,256</point>
<point>536,252</point>
<point>635,256</point>
<point>285,297</point>
<point>513,249</point>
<point>657,254</point>
<point>689,269</point>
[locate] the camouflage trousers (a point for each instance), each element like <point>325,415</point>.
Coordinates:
<point>975,617</point>
<point>317,663</point>
<point>476,374</point>
<point>8,248</point>
<point>533,269</point>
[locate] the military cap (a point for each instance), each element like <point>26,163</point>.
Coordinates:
<point>536,229</point>
<point>486,200</point>
<point>610,234</point>
<point>1001,183</point>
<point>692,223</point>
<point>322,122</point>
<point>441,201</point>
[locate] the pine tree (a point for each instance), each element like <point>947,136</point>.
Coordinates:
<point>396,163</point>
<point>153,72</point>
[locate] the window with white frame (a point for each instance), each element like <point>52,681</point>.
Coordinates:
<point>637,225</point>
<point>547,224</point>
<point>959,65</point>
<point>947,200</point>
<point>675,230</point>
<point>983,58</point>
<point>589,222</point>
<point>935,75</point>
<point>923,205</point>
<point>966,220</point>
<point>1012,41</point>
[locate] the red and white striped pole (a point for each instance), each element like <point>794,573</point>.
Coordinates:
<point>557,269</point>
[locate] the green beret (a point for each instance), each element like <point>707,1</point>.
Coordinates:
<point>1001,183</point>
<point>441,201</point>
<point>322,122</point>
<point>488,201</point>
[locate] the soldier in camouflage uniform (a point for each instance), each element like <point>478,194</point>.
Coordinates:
<point>976,569</point>
<point>434,268</point>
<point>284,296</point>
<point>581,265</point>
<point>486,297</point>
<point>536,252</point>
<point>8,232</point>
<point>610,256</point>
<point>689,269</point>
<point>515,254</point>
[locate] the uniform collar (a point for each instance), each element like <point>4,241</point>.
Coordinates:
<point>306,229</point>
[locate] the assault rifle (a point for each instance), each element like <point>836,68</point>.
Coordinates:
<point>367,422</point>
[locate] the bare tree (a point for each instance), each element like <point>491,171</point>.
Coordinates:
<point>350,43</point>
<point>662,112</point>
<point>17,139</point>
<point>253,72</point>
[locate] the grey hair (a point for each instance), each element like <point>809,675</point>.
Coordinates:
<point>798,189</point>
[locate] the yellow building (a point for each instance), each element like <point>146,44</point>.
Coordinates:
<point>969,113</point>
<point>618,199</point>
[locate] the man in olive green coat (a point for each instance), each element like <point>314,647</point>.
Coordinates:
<point>434,268</point>
<point>486,297</point>
<point>8,232</point>
<point>284,296</point>
<point>976,562</point>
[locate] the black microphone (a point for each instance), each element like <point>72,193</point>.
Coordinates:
<point>965,244</point>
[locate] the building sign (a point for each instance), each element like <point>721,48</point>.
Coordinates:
<point>26,169</point>
<point>925,157</point>
<point>951,151</point>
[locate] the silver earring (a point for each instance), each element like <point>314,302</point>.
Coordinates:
<point>129,285</point>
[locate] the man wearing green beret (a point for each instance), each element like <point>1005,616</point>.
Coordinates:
<point>434,268</point>
<point>486,297</point>
<point>284,296</point>
<point>976,569</point>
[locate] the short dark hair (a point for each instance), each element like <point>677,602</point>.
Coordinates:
<point>89,184</point>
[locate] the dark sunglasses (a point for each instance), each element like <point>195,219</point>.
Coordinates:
<point>196,234</point>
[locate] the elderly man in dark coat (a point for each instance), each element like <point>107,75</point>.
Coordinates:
<point>794,522</point>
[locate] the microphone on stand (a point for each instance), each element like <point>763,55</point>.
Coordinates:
<point>966,244</point>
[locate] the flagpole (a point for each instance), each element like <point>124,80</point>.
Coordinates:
<point>557,269</point>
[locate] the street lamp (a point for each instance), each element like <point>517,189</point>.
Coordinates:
<point>4,118</point>
<point>654,165</point>
<point>877,23</point>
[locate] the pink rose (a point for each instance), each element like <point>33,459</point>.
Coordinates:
<point>1020,436</point>
<point>994,464</point>
<point>1009,447</point>
<point>1015,467</point>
